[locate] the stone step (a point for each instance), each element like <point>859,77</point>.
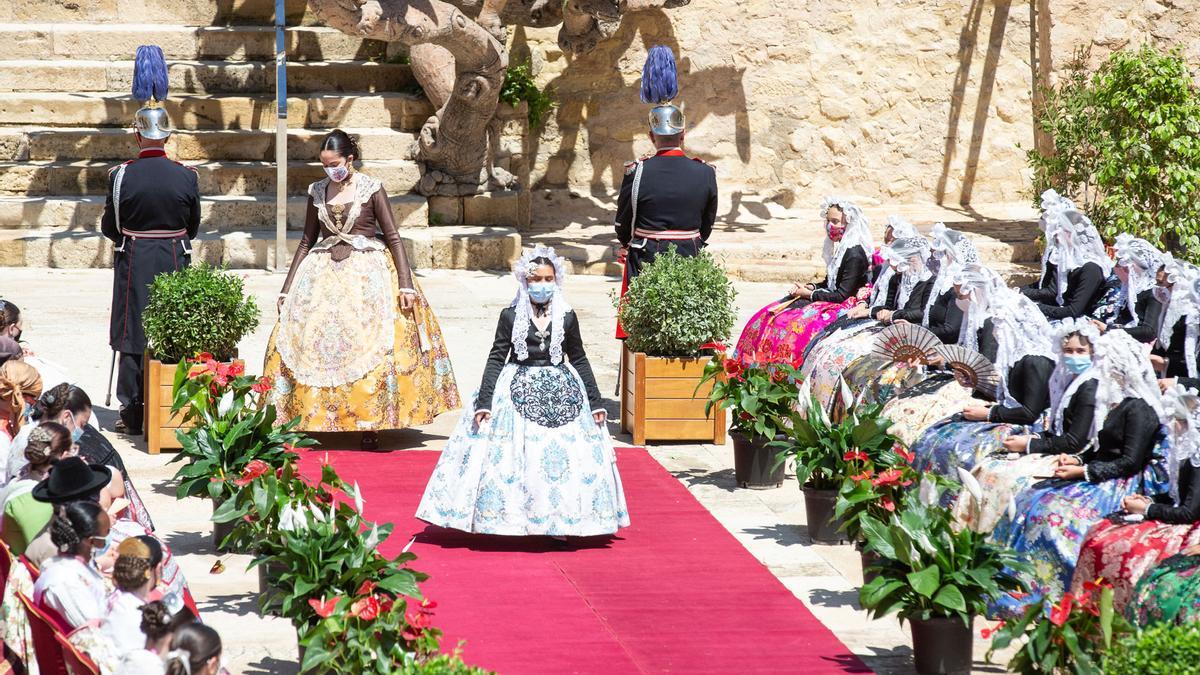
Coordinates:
<point>118,145</point>
<point>216,178</point>
<point>186,12</point>
<point>206,77</point>
<point>459,247</point>
<point>403,111</point>
<point>217,214</point>
<point>118,41</point>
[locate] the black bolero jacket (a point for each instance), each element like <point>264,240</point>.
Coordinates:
<point>1028,382</point>
<point>502,353</point>
<point>1077,425</point>
<point>1188,510</point>
<point>1176,360</point>
<point>851,276</point>
<point>1149,314</point>
<point>945,318</point>
<point>1046,289</point>
<point>1085,286</point>
<point>1126,443</point>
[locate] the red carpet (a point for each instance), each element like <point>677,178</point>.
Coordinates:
<point>675,592</point>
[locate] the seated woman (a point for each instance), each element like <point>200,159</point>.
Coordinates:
<point>1179,291</point>
<point>1045,289</point>
<point>1140,310</point>
<point>908,280</point>
<point>69,585</point>
<point>1121,551</point>
<point>23,516</point>
<point>1072,396</point>
<point>1007,329</point>
<point>195,650</point>
<point>897,228</point>
<point>532,457</point>
<point>780,331</point>
<point>136,573</point>
<point>20,386</point>
<point>1082,270</point>
<point>1169,593</point>
<point>953,251</point>
<point>1048,521</point>
<point>158,624</point>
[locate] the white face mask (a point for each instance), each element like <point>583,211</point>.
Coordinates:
<point>337,174</point>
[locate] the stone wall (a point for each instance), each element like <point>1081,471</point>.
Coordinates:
<point>900,101</point>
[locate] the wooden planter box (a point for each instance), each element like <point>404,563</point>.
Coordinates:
<point>159,424</point>
<point>657,401</point>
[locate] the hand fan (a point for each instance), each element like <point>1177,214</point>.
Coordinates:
<point>971,368</point>
<point>905,342</point>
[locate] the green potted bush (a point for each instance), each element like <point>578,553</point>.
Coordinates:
<point>758,396</point>
<point>198,309</point>
<point>676,309</point>
<point>1163,648</point>
<point>937,577</point>
<point>823,449</point>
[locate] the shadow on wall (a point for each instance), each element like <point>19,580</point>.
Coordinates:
<point>598,109</point>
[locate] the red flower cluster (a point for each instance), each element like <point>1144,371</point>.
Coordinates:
<point>891,477</point>
<point>254,469</point>
<point>1062,611</point>
<point>417,622</point>
<point>855,456</point>
<point>205,364</point>
<point>733,369</point>
<point>905,454</point>
<point>324,608</point>
<point>262,386</point>
<point>860,477</point>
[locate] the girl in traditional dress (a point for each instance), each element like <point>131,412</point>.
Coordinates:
<point>1123,548</point>
<point>532,456</point>
<point>1139,310</point>
<point>1045,289</point>
<point>1048,521</point>
<point>1082,270</point>
<point>357,347</point>
<point>780,331</point>
<point>952,251</point>
<point>1007,329</point>
<point>1177,334</point>
<point>1072,396</point>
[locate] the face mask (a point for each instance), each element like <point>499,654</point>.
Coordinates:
<point>834,231</point>
<point>337,174</point>
<point>963,303</point>
<point>1077,364</point>
<point>541,291</point>
<point>76,434</point>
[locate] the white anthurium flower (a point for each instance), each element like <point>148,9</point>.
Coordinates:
<point>291,518</point>
<point>317,513</point>
<point>225,404</point>
<point>1012,508</point>
<point>847,394</point>
<point>372,538</point>
<point>970,484</point>
<point>927,491</point>
<point>804,396</point>
<point>358,498</point>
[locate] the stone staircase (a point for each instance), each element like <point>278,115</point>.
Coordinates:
<point>65,112</point>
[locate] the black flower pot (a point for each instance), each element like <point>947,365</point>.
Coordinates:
<point>819,506</point>
<point>869,558</point>
<point>273,594</point>
<point>754,463</point>
<point>941,646</point>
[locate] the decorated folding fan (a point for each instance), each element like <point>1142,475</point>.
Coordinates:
<point>971,368</point>
<point>907,342</point>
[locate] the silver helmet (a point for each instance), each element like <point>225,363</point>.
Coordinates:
<point>667,120</point>
<point>150,86</point>
<point>660,85</point>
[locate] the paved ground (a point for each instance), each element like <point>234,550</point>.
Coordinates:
<point>66,321</point>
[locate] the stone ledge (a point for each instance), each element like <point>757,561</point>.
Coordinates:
<point>189,12</point>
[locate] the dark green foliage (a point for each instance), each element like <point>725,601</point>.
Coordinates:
<point>676,305</point>
<point>1127,146</point>
<point>519,86</point>
<point>198,309</point>
<point>1165,648</point>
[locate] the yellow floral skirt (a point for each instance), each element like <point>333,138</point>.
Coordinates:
<point>344,356</point>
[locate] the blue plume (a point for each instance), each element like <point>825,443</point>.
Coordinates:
<point>659,83</point>
<point>149,73</point>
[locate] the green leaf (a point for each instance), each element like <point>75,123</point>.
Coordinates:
<point>925,581</point>
<point>951,597</point>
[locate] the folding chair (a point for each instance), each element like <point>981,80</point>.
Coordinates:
<point>50,658</point>
<point>78,663</point>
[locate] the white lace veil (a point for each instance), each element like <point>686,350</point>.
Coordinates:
<point>524,267</point>
<point>1078,243</point>
<point>1123,371</point>
<point>858,233</point>
<point>1064,383</point>
<point>1181,300</point>
<point>906,257</point>
<point>1183,423</point>
<point>1052,202</point>
<point>1143,262</point>
<point>901,230</point>
<point>953,251</point>
<point>1019,328</point>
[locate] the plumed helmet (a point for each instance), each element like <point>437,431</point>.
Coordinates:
<point>660,85</point>
<point>150,87</point>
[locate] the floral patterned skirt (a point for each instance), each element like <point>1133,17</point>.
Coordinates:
<point>955,443</point>
<point>1001,480</point>
<point>829,358</point>
<point>541,465</point>
<point>345,357</point>
<point>1123,553</point>
<point>781,336</point>
<point>921,406</point>
<point>1049,525</point>
<point>1168,593</point>
<point>876,379</point>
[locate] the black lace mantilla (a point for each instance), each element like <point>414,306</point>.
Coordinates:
<point>546,395</point>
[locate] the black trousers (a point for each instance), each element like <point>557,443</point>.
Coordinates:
<point>640,257</point>
<point>129,389</point>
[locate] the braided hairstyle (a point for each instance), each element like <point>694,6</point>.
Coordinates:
<point>73,523</point>
<point>61,397</point>
<point>48,442</point>
<point>191,648</point>
<point>10,314</point>
<point>137,557</point>
<point>158,622</point>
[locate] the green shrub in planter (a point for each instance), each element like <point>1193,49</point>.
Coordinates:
<point>198,309</point>
<point>1165,648</point>
<point>676,304</point>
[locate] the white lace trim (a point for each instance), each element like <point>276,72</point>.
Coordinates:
<point>1143,262</point>
<point>1183,412</point>
<point>523,306</point>
<point>953,251</point>
<point>364,188</point>
<point>907,256</point>
<point>858,233</point>
<point>1123,371</point>
<point>1051,202</point>
<point>1178,302</point>
<point>1064,383</point>
<point>1078,242</point>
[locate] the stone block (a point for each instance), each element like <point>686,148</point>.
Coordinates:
<point>41,75</point>
<point>445,210</point>
<point>106,41</point>
<point>474,248</point>
<point>502,208</point>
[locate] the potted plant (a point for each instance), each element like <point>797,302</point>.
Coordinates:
<point>674,312</point>
<point>1160,648</point>
<point>227,424</point>
<point>758,395</point>
<point>196,309</point>
<point>937,577</point>
<point>1070,636</point>
<point>823,448</point>
<point>878,484</point>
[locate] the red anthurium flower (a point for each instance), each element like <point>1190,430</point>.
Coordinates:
<point>1099,584</point>
<point>987,633</point>
<point>887,503</point>
<point>262,386</point>
<point>733,368</point>
<point>905,454</point>
<point>415,625</point>
<point>202,357</point>
<point>324,608</point>
<point>889,477</point>
<point>855,456</point>
<point>237,369</point>
<point>366,609</point>
<point>385,605</point>
<point>197,370</point>
<point>428,605</point>
<point>859,477</point>
<point>1062,611</point>
<point>253,470</point>
<point>367,588</point>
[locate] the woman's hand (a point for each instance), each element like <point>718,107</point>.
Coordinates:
<point>1070,473</point>
<point>977,413</point>
<point>859,311</point>
<point>1015,443</point>
<point>801,291</point>
<point>601,417</point>
<point>1100,325</point>
<point>1067,460</point>
<point>407,301</point>
<point>884,315</point>
<point>481,417</point>
<point>1136,504</point>
<point>1166,383</point>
